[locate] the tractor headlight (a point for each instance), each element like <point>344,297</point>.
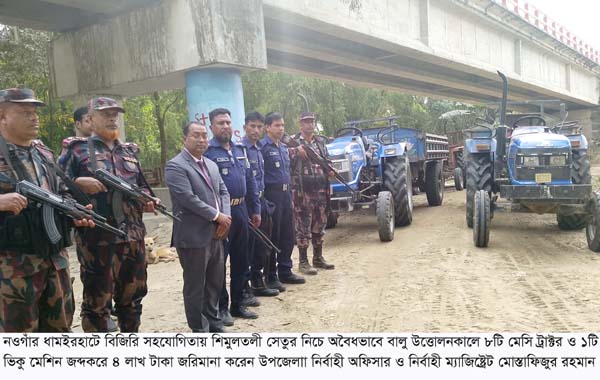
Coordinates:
<point>390,151</point>
<point>531,161</point>
<point>558,160</point>
<point>341,166</point>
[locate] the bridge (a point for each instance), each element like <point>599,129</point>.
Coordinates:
<point>447,49</point>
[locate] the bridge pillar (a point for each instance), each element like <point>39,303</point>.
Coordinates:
<point>210,88</point>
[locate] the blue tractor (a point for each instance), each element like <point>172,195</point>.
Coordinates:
<point>535,168</point>
<point>381,165</point>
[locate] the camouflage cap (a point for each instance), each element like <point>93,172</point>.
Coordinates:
<point>104,103</point>
<point>19,95</point>
<point>307,116</point>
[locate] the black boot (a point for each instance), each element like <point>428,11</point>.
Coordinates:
<point>318,259</point>
<point>248,298</point>
<point>259,289</point>
<point>304,266</point>
<point>240,311</point>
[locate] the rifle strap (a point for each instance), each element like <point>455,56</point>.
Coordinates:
<point>10,156</point>
<point>92,154</point>
<point>77,193</point>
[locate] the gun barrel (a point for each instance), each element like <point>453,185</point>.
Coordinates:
<point>263,238</point>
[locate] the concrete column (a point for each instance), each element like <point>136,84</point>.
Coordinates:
<point>210,88</point>
<point>424,21</point>
<point>519,57</point>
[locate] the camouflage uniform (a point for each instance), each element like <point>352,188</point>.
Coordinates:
<point>105,258</point>
<point>310,192</point>
<point>35,285</point>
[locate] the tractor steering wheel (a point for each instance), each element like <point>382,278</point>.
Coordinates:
<point>516,123</point>
<point>355,131</point>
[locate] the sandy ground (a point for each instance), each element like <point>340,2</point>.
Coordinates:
<point>430,278</point>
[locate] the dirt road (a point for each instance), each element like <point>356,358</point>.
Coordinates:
<point>533,277</point>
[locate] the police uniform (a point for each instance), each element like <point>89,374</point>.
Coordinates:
<point>105,258</point>
<point>35,285</point>
<point>277,190</point>
<point>240,183</point>
<point>258,251</point>
<point>310,194</point>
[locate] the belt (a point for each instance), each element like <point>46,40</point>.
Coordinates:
<point>236,201</point>
<point>277,187</point>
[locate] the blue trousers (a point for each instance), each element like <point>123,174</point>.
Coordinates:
<point>283,232</point>
<point>236,248</point>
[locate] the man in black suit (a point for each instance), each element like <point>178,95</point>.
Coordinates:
<point>201,201</point>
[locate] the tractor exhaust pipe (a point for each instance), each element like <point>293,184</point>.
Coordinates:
<point>501,129</point>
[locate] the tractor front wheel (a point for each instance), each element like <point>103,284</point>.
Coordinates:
<point>385,215</point>
<point>481,218</point>
<point>592,229</point>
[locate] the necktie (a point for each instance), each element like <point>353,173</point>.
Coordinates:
<point>205,174</point>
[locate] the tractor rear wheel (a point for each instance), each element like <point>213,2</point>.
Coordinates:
<point>385,215</point>
<point>571,222</point>
<point>580,175</point>
<point>592,229</point>
<point>434,183</point>
<point>479,177</point>
<point>481,219</point>
<point>398,181</point>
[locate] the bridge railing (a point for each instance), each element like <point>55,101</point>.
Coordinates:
<point>543,22</point>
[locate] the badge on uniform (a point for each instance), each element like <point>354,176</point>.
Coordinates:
<point>224,171</point>
<point>222,159</point>
<point>277,164</point>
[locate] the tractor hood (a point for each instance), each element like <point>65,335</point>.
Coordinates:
<point>345,145</point>
<point>539,140</point>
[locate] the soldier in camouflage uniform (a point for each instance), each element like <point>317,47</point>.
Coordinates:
<point>83,129</point>
<point>310,187</point>
<point>105,258</point>
<point>35,285</point>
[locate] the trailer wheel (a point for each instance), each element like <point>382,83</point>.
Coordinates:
<point>592,229</point>
<point>385,215</point>
<point>481,219</point>
<point>479,177</point>
<point>332,219</point>
<point>434,183</point>
<point>459,178</point>
<point>398,181</point>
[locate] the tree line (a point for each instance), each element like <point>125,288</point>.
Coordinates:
<point>154,120</point>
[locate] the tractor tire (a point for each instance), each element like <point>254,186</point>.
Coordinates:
<point>580,168</point>
<point>398,181</point>
<point>571,222</point>
<point>479,177</point>
<point>385,215</point>
<point>580,175</point>
<point>592,229</point>
<point>459,178</point>
<point>460,160</point>
<point>481,218</point>
<point>332,219</point>
<point>434,183</point>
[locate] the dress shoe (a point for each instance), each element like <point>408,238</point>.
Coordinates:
<point>276,284</point>
<point>291,278</point>
<point>259,289</point>
<point>248,299</point>
<point>216,329</point>
<point>226,317</point>
<point>242,312</point>
<point>111,325</point>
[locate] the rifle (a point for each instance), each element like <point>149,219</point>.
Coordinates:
<point>132,191</point>
<point>263,238</point>
<point>65,206</point>
<point>317,159</point>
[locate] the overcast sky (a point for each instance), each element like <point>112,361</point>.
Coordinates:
<point>581,17</point>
